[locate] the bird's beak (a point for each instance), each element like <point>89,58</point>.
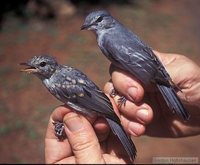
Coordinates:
<point>29,69</point>
<point>83,27</point>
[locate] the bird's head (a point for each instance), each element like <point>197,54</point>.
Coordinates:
<point>41,66</point>
<point>98,20</point>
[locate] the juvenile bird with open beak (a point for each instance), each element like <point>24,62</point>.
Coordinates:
<point>76,90</point>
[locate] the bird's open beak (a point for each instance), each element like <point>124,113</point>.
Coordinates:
<point>29,69</point>
<point>83,27</point>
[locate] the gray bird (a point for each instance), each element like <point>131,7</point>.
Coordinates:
<point>128,52</point>
<point>76,90</point>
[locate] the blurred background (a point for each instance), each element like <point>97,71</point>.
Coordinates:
<point>34,27</point>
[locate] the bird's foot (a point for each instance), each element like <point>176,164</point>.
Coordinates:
<point>59,130</point>
<point>122,101</point>
<point>113,93</point>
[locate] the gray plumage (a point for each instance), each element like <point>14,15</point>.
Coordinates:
<point>75,89</point>
<point>128,52</point>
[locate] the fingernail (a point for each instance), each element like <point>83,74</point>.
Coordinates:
<point>136,129</point>
<point>73,122</point>
<point>132,92</point>
<point>142,114</point>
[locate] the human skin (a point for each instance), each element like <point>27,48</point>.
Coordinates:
<point>146,116</point>
<point>89,140</point>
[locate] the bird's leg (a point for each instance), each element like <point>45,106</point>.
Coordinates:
<point>59,130</point>
<point>113,93</point>
<point>121,101</point>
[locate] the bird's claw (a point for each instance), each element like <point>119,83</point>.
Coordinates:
<point>113,93</point>
<point>59,130</point>
<point>122,101</point>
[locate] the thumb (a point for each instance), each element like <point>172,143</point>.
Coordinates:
<point>82,139</point>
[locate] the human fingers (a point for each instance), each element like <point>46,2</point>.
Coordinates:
<point>134,117</point>
<point>126,84</point>
<point>101,128</point>
<point>82,139</point>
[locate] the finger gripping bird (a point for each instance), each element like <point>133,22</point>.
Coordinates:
<point>128,52</point>
<point>76,90</point>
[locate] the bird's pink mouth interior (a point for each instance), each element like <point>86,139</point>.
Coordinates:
<point>29,69</point>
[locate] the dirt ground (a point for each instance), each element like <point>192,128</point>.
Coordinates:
<point>25,105</point>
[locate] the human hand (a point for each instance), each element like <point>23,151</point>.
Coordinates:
<point>84,144</point>
<point>144,115</point>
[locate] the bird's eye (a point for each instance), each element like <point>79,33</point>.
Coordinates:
<point>42,64</point>
<point>99,19</point>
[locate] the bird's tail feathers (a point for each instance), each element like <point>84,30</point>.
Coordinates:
<point>173,101</point>
<point>124,139</point>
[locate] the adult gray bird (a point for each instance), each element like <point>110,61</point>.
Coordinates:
<point>128,52</point>
<point>76,90</point>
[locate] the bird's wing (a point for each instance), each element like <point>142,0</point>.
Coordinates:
<point>80,91</point>
<point>136,58</point>
<point>96,100</point>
